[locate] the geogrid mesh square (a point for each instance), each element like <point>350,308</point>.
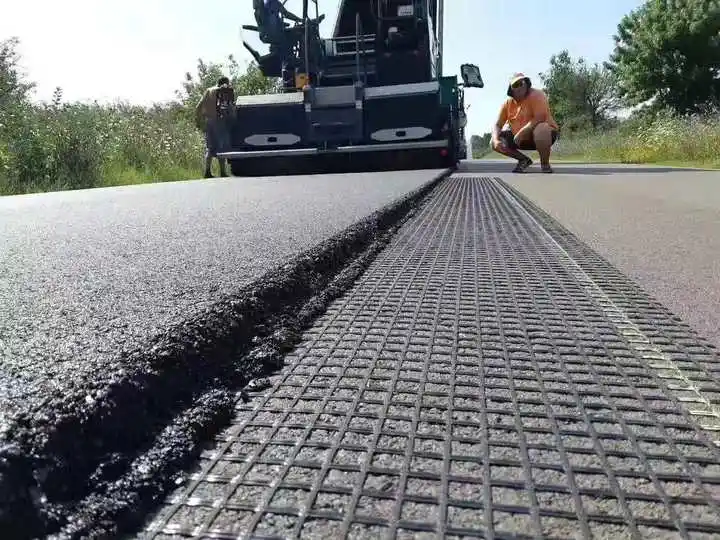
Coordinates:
<point>466,386</point>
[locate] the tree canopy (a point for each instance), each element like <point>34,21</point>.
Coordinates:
<point>480,146</point>
<point>669,51</point>
<point>580,95</point>
<point>14,89</point>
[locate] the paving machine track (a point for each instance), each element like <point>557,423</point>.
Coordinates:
<point>489,376</point>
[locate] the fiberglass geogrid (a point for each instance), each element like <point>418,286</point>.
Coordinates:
<point>696,357</point>
<point>466,386</point>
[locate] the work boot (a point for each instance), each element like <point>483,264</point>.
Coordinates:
<point>522,165</point>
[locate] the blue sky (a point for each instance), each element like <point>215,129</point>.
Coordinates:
<point>139,50</point>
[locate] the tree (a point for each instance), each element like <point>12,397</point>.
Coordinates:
<point>580,94</point>
<point>248,82</point>
<point>669,51</point>
<point>480,146</point>
<point>14,89</point>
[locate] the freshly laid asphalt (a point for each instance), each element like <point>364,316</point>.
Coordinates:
<point>85,274</point>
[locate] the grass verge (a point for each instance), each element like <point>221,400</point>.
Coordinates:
<point>80,146</point>
<point>702,164</point>
<point>671,140</point>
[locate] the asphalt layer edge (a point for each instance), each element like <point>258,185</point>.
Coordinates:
<point>100,464</point>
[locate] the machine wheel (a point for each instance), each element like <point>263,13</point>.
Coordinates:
<point>235,167</point>
<point>448,162</point>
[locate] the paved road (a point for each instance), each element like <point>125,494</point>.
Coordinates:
<point>487,374</point>
<point>658,225</point>
<point>85,274</point>
<point>487,377</point>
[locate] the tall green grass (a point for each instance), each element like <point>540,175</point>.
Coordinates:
<point>684,140</point>
<point>74,146</point>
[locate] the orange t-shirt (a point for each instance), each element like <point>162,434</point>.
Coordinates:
<point>519,113</point>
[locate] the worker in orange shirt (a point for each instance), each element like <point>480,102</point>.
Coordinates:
<point>532,126</point>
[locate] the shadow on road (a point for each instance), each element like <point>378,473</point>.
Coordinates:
<point>506,166</point>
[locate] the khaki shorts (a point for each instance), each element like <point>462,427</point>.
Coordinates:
<point>507,137</point>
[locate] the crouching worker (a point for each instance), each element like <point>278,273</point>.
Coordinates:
<point>532,126</point>
<point>214,114</point>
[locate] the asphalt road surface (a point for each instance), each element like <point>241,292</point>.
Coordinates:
<point>86,274</point>
<point>488,376</point>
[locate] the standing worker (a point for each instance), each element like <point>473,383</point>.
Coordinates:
<point>532,126</point>
<point>214,114</point>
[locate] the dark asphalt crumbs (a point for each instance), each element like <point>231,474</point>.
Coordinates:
<point>470,385</point>
<point>128,315</point>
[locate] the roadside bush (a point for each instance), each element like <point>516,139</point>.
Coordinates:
<point>81,146</point>
<point>146,144</point>
<point>59,146</point>
<point>690,139</point>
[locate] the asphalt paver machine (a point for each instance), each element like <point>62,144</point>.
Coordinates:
<point>371,97</point>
